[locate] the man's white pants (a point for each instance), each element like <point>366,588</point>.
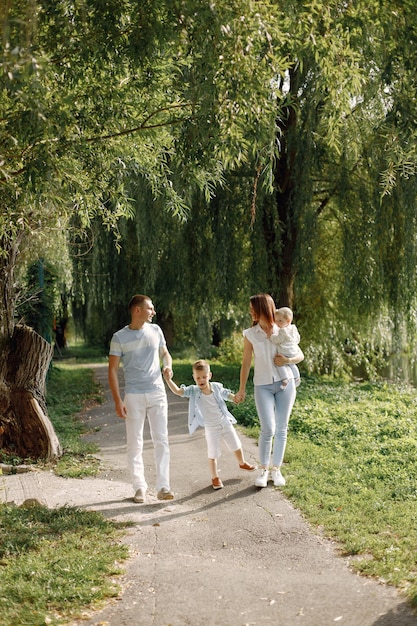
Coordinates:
<point>153,406</point>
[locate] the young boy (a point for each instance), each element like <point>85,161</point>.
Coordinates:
<point>207,408</point>
<point>286,339</point>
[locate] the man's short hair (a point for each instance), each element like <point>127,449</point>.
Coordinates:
<point>137,300</point>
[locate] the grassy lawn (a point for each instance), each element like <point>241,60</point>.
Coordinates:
<point>351,468</point>
<point>56,563</point>
<point>350,465</point>
<point>70,388</point>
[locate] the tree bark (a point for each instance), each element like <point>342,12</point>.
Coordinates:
<point>25,429</point>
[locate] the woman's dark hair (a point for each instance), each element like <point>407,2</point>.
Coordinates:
<point>263,306</point>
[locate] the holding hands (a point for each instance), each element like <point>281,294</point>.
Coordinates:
<point>239,396</point>
<point>167,373</point>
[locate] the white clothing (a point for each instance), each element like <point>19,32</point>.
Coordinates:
<point>265,370</point>
<point>196,418</point>
<point>153,406</point>
<point>216,427</point>
<point>287,339</point>
<point>145,397</point>
<point>210,412</point>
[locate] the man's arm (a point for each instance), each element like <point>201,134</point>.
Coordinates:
<point>166,359</point>
<point>113,376</point>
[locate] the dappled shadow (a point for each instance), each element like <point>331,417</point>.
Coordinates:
<point>402,615</point>
<point>153,509</point>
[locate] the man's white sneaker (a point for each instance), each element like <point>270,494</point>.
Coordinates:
<point>278,478</point>
<point>262,478</point>
<point>165,494</point>
<point>139,496</point>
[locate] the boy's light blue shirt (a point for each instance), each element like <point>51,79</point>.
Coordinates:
<point>139,353</point>
<point>194,393</point>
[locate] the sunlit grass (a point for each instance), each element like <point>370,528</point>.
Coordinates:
<point>56,562</point>
<point>351,468</point>
<point>350,465</point>
<point>69,389</point>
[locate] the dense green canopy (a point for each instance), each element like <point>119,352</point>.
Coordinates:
<point>227,148</point>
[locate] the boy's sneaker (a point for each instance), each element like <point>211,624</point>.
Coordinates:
<point>139,496</point>
<point>248,467</point>
<point>217,483</point>
<point>262,478</point>
<point>278,478</point>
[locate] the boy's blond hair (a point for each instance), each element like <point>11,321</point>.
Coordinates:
<point>286,313</point>
<point>201,364</point>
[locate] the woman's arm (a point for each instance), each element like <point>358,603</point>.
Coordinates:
<point>280,359</point>
<point>244,370</point>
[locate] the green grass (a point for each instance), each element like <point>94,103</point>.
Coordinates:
<point>351,469</point>
<point>80,354</point>
<point>70,388</point>
<point>55,563</point>
<point>350,464</point>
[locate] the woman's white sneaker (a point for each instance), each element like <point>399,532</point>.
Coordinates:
<point>278,478</point>
<point>262,478</point>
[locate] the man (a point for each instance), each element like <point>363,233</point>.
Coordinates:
<point>141,347</point>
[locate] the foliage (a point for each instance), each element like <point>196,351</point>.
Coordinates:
<point>67,133</point>
<point>296,109</point>
<point>231,350</point>
<point>41,299</point>
<point>279,135</point>
<point>74,553</point>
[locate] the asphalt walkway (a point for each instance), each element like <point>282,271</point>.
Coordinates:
<point>234,557</point>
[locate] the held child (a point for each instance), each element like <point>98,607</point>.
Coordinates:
<point>207,408</point>
<point>286,339</point>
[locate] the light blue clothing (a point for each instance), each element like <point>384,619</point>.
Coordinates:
<point>274,406</point>
<point>195,416</point>
<point>139,354</point>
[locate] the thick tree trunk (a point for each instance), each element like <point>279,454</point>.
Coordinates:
<point>25,428</point>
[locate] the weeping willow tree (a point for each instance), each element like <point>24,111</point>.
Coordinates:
<point>85,94</point>
<point>193,269</point>
<point>304,124</point>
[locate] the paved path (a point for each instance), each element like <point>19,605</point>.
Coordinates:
<point>233,557</point>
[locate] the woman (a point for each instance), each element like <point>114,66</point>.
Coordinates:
<point>273,404</point>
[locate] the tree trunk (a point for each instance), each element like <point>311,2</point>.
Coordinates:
<point>25,429</point>
<point>284,222</point>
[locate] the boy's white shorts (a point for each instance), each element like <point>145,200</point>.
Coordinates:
<point>214,436</point>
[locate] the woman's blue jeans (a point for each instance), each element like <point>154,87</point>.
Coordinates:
<point>274,406</point>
